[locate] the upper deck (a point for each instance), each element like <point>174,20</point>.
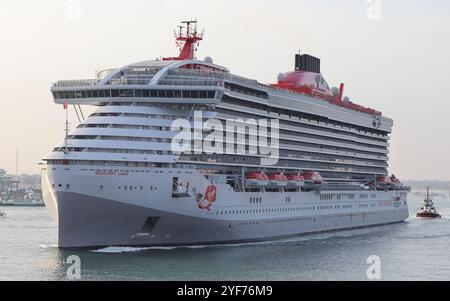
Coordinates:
<point>199,82</point>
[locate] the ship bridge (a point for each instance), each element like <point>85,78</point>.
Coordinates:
<point>170,81</point>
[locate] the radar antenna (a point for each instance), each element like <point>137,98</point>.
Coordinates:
<point>187,38</point>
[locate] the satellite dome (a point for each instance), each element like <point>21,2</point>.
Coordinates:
<point>209,59</point>
<point>335,91</point>
<point>280,77</point>
<point>346,99</point>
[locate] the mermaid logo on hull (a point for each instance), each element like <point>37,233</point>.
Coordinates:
<point>207,200</point>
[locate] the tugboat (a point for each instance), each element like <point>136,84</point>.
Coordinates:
<point>428,210</point>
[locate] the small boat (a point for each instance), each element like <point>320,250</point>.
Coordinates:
<point>384,183</point>
<point>256,179</point>
<point>2,214</point>
<point>395,182</point>
<point>295,180</point>
<point>428,210</point>
<point>311,179</point>
<point>313,176</point>
<point>277,180</point>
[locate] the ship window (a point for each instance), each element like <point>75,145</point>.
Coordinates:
<point>90,94</point>
<point>138,93</point>
<point>177,94</point>
<point>115,93</point>
<point>101,93</point>
<point>153,93</point>
<point>129,93</point>
<point>161,93</point>
<point>211,94</point>
<point>72,94</point>
<point>186,94</point>
<point>169,94</point>
<point>146,93</point>
<point>203,94</point>
<point>194,94</point>
<point>107,93</point>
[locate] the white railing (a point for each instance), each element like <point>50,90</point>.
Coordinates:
<point>178,82</point>
<point>75,83</point>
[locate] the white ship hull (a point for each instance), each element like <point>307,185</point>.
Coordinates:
<point>96,210</point>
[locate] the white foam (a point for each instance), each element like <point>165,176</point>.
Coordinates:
<point>48,246</point>
<point>302,238</point>
<point>113,249</point>
<point>129,249</point>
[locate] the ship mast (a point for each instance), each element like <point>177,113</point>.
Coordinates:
<point>17,162</point>
<point>66,130</point>
<point>187,38</point>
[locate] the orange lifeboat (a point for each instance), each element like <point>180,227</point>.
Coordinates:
<point>313,177</point>
<point>396,183</point>
<point>394,179</point>
<point>384,183</point>
<point>295,180</point>
<point>256,179</point>
<point>277,180</point>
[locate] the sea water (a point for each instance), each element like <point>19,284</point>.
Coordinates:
<point>414,250</point>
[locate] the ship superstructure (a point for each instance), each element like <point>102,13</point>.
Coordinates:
<point>117,180</point>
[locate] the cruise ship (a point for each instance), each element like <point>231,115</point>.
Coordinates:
<point>309,159</point>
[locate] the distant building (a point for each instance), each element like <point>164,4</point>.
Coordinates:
<point>7,182</point>
<point>29,181</point>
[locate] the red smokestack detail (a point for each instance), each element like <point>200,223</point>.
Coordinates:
<point>341,91</point>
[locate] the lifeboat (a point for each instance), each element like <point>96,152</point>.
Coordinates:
<point>277,180</point>
<point>256,179</point>
<point>396,182</point>
<point>295,180</point>
<point>384,183</point>
<point>428,210</point>
<point>313,177</point>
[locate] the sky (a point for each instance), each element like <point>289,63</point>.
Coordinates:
<point>392,56</point>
